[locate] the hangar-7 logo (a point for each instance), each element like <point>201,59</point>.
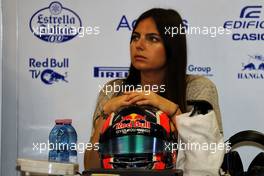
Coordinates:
<point>253,69</point>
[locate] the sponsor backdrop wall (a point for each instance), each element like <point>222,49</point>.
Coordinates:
<point>1,37</point>
<point>59,75</point>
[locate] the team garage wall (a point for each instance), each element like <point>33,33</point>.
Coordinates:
<point>59,75</point>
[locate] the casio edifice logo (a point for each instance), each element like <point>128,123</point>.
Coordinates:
<point>249,26</point>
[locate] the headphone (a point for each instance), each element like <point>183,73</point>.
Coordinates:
<point>232,163</point>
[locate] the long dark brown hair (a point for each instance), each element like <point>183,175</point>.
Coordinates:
<point>176,54</point>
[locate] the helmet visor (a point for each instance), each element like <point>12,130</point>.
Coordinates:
<point>133,144</point>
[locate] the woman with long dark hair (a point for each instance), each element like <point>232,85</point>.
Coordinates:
<point>157,59</point>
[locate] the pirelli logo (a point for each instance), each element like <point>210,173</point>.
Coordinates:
<point>111,72</point>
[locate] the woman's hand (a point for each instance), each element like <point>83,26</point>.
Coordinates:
<point>115,103</point>
<point>151,98</point>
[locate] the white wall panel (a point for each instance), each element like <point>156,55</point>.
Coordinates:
<point>36,105</point>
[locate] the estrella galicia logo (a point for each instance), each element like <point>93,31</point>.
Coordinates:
<point>253,69</point>
<point>55,23</point>
<point>45,70</point>
<point>111,72</point>
<point>200,70</point>
<point>249,25</point>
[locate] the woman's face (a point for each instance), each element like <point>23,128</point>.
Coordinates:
<point>146,48</point>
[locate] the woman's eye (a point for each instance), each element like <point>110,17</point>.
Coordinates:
<point>135,37</point>
<point>153,39</point>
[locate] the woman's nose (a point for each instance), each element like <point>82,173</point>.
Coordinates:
<point>140,44</point>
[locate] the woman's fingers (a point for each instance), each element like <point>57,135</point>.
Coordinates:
<point>143,102</point>
<point>125,103</point>
<point>132,95</point>
<point>136,98</point>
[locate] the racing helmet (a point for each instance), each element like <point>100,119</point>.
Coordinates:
<point>135,137</point>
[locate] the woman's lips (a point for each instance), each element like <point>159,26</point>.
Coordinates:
<point>140,58</point>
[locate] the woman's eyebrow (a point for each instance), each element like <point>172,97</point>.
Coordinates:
<point>135,33</point>
<point>153,34</point>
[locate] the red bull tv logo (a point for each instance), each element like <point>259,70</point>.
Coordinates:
<point>47,70</point>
